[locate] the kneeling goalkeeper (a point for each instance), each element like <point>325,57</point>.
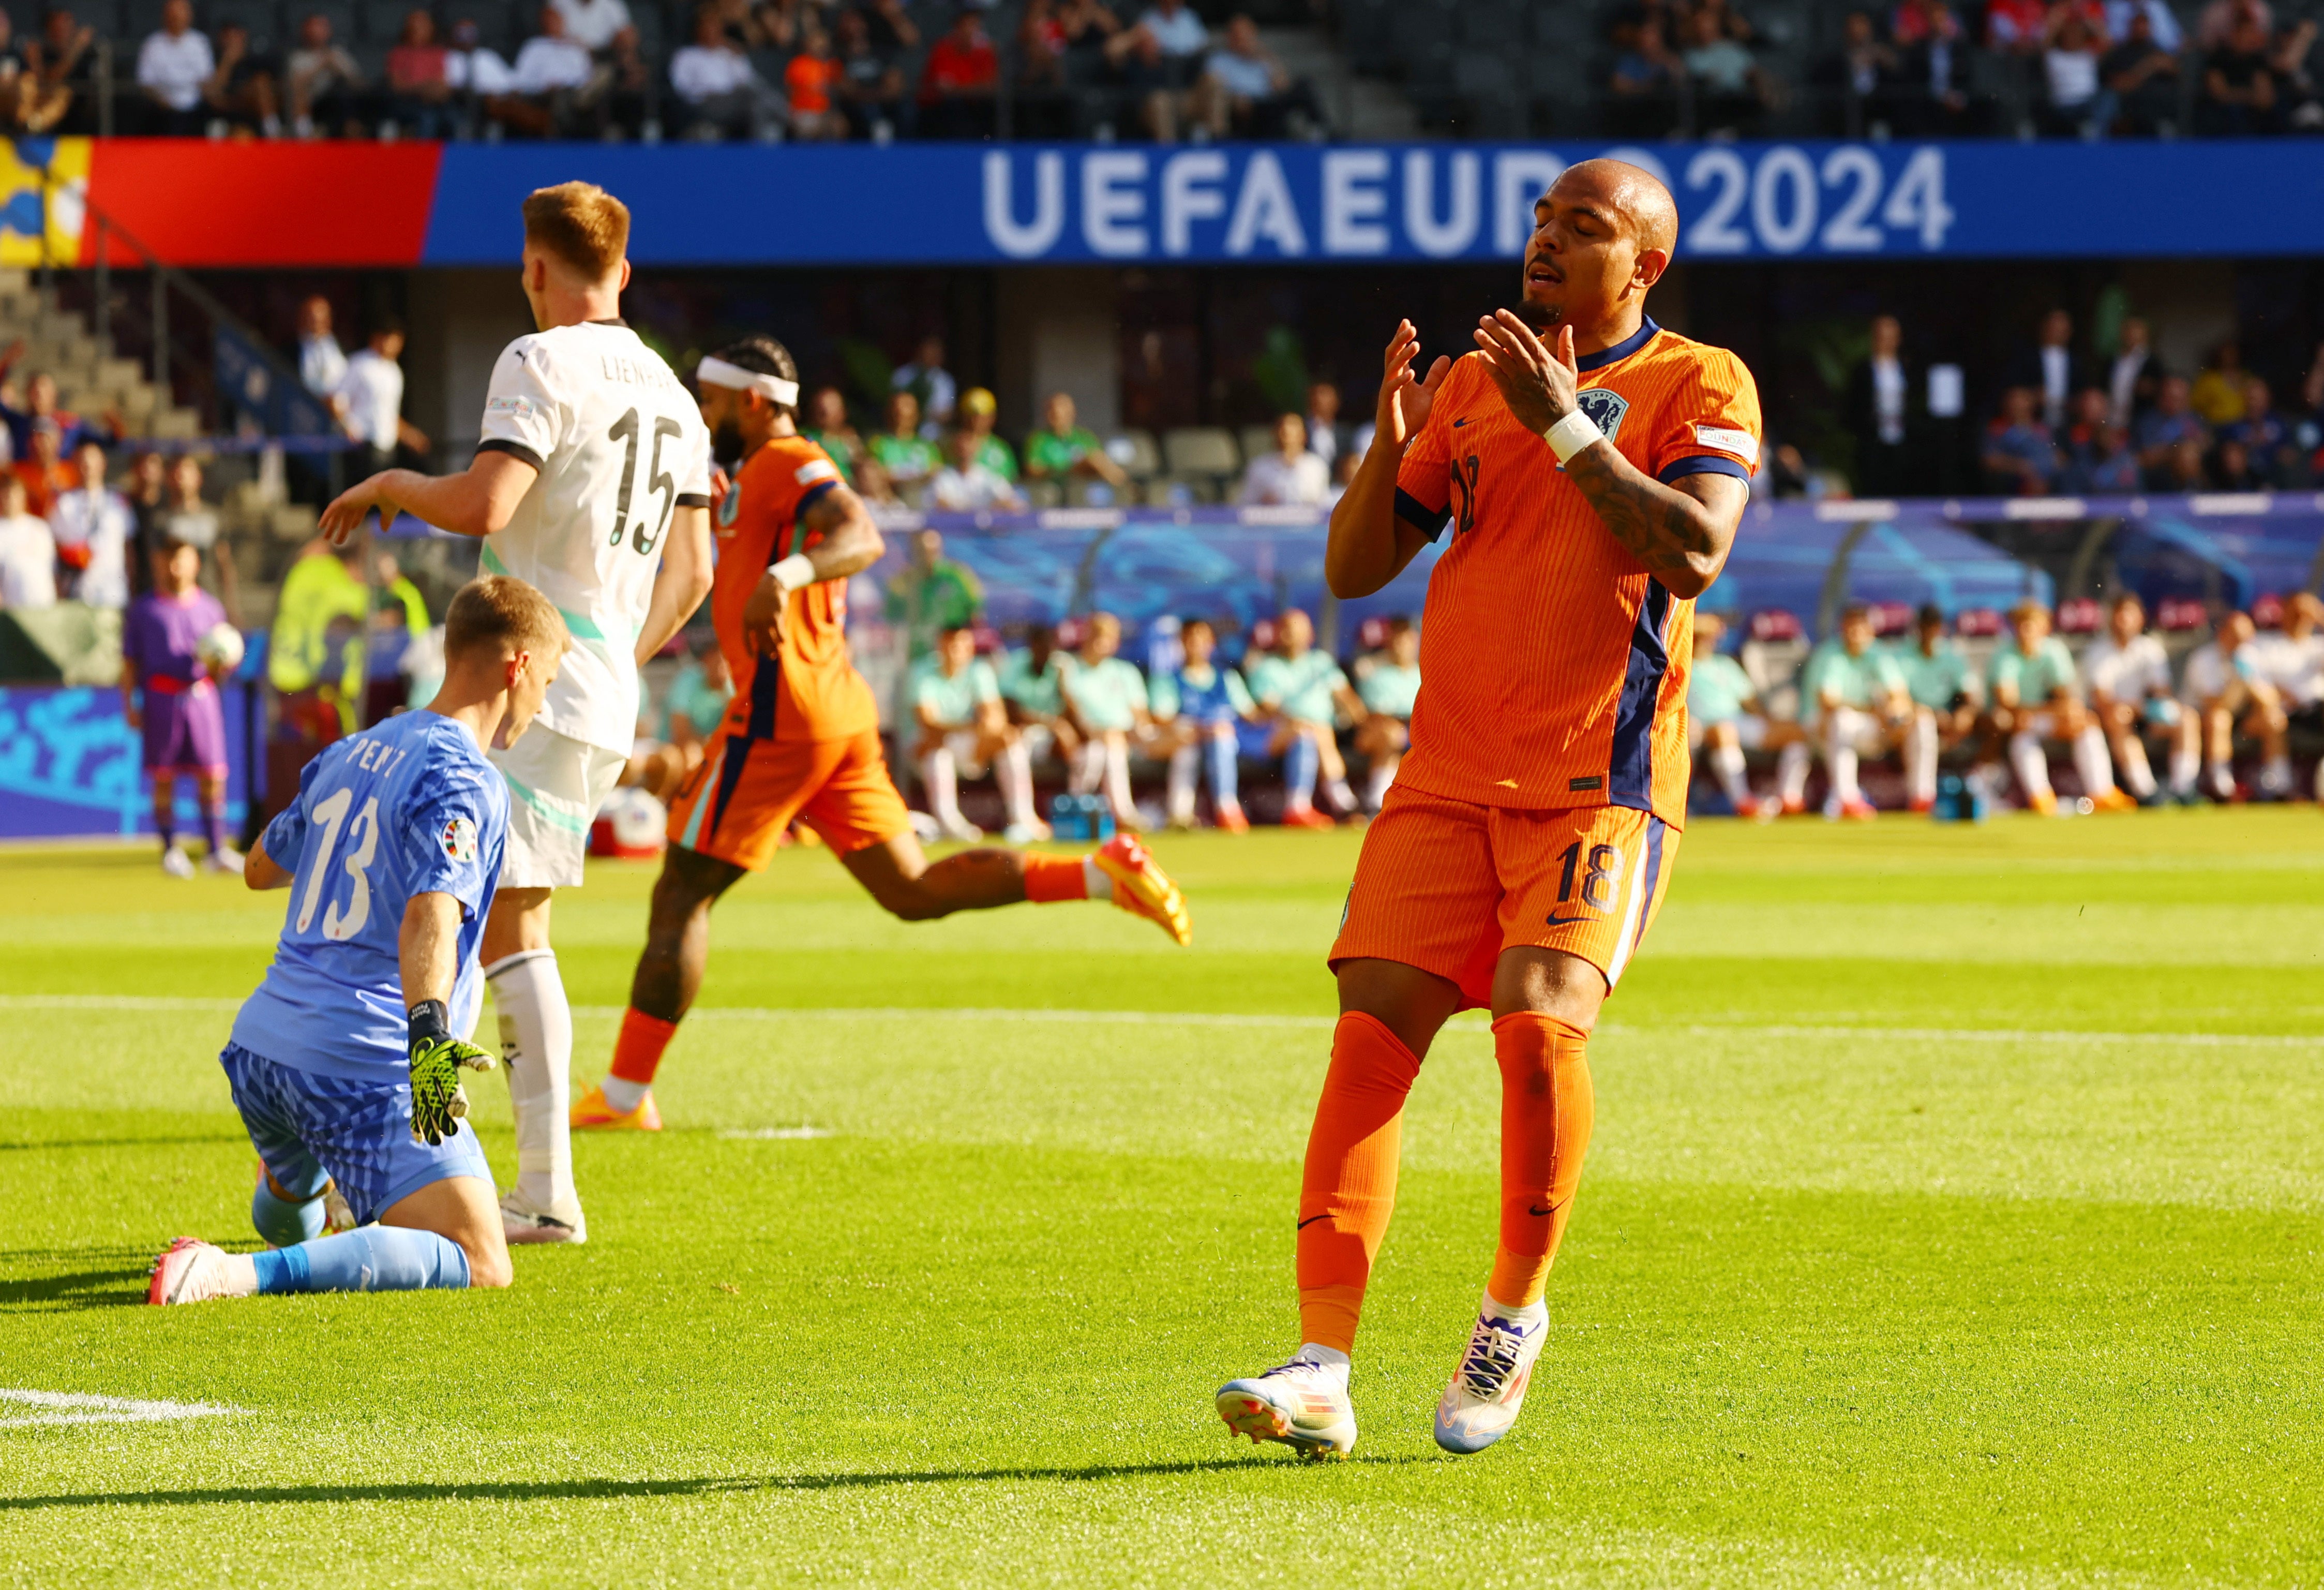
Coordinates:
<point>346,1063</point>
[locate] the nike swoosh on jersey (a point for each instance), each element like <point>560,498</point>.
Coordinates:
<point>1463,420</point>
<point>1311,1220</point>
<point>1554,921</point>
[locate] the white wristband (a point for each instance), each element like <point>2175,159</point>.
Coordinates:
<point>1570,435</point>
<point>794,571</point>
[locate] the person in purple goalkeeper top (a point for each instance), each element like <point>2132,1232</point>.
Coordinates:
<point>168,693</point>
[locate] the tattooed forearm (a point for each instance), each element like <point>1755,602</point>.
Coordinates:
<point>1680,534</point>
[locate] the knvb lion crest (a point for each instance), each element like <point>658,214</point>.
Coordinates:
<point>1606,408</point>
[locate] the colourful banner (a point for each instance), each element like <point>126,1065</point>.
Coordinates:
<point>196,202</point>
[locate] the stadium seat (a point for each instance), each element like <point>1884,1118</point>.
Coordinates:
<point>2267,611</point>
<point>1045,493</point>
<point>2180,615</point>
<point>2079,616</point>
<point>1202,452</point>
<point>1145,459</point>
<point>1257,440</point>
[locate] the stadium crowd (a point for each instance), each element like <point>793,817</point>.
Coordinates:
<point>1994,696</point>
<point>712,70</point>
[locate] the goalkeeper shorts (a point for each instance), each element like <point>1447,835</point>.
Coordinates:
<point>308,1127</point>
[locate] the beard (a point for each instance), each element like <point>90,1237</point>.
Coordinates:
<point>1539,317</point>
<point>726,441</point>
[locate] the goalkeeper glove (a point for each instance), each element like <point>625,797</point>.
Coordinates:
<point>438,1100</point>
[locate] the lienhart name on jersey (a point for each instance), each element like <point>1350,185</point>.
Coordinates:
<point>1729,441</point>
<point>460,840</point>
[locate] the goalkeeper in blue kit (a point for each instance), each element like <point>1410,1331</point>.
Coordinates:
<point>346,1063</point>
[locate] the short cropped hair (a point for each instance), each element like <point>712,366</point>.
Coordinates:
<point>581,223</point>
<point>503,616</point>
<point>761,355</point>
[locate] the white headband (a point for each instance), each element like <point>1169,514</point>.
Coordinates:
<point>719,373</point>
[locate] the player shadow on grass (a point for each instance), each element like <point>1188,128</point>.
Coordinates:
<point>601,1489</point>
<point>119,1286</point>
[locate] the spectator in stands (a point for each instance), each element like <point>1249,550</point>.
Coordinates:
<point>2111,466</point>
<point>322,366</point>
<point>2216,394</point>
<point>1732,92</point>
<point>1032,686</point>
<point>871,83</point>
<point>2227,468</point>
<point>2143,74</point>
<point>1645,85</point>
<point>1932,96</point>
<point>2223,685</point>
<point>44,469</point>
<point>2127,674</point>
<point>64,59</point>
<point>28,552</point>
<point>828,427</point>
<point>629,93</point>
<point>1201,705</point>
<point>1862,705</point>
<point>962,729</point>
<point>418,84</point>
<point>959,81</point>
<point>371,400</point>
<point>594,23</point>
<point>1158,60</point>
<point>1289,477</point>
<point>2079,102</point>
<point>2161,22</point>
<point>477,74</point>
<point>720,94</point>
<point>2084,436</point>
<point>42,401</point>
<point>188,521</point>
<point>1106,698</point>
<point>1389,685</point>
<point>2295,85</point>
<point>811,83</point>
<point>2167,428</point>
<point>242,94</point>
<point>2036,697</point>
<point>1063,451</point>
<point>2239,84</point>
<point>2135,376</point>
<point>2264,437</point>
<point>1859,79</point>
<point>148,495</point>
<point>28,102</point>
<point>93,527</point>
<point>173,65</point>
<point>555,91</point>
<point>1327,436</point>
<point>2016,27</point>
<point>966,485</point>
<point>323,84</point>
<point>907,458</point>
<point>690,713</point>
<point>1245,93</point>
<point>977,413</point>
<point>1040,47</point>
<point>1302,692</point>
<point>931,593</point>
<point>926,379</point>
<point>1940,680</point>
<point>2050,369</point>
<point>1879,405</point>
<point>2020,457</point>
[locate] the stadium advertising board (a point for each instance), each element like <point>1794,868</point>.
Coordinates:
<point>199,203</point>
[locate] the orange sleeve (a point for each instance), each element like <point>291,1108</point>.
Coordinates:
<point>1709,421</point>
<point>1423,475</point>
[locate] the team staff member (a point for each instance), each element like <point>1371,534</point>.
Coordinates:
<point>1590,468</point>
<point>801,738</point>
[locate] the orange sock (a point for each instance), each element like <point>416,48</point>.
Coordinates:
<point>1052,878</point>
<point>1545,1113</point>
<point>638,1051</point>
<point>1347,1189</point>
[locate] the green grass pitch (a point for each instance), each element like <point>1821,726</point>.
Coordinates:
<point>1953,1220</point>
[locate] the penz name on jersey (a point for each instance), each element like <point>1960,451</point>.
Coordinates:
<point>377,757</point>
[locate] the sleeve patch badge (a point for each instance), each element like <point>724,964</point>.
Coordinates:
<point>817,469</point>
<point>1740,442</point>
<point>509,405</point>
<point>459,840</point>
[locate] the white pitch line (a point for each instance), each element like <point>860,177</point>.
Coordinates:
<point>776,1135</point>
<point>65,1407</point>
<point>1472,1022</point>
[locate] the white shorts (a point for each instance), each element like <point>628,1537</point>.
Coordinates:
<point>555,785</point>
<point>962,744</point>
<point>1750,731</point>
<point>1852,727</point>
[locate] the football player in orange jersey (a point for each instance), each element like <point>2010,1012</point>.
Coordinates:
<point>801,736</point>
<point>1592,468</point>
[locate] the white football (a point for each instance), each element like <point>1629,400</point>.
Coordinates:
<point>635,823</point>
<point>220,649</point>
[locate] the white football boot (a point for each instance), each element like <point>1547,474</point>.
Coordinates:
<point>1303,1404</point>
<point>1489,1389</point>
<point>193,1271</point>
<point>521,1222</point>
<point>177,864</point>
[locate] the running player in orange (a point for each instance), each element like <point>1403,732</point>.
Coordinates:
<point>1592,470</point>
<point>801,737</point>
